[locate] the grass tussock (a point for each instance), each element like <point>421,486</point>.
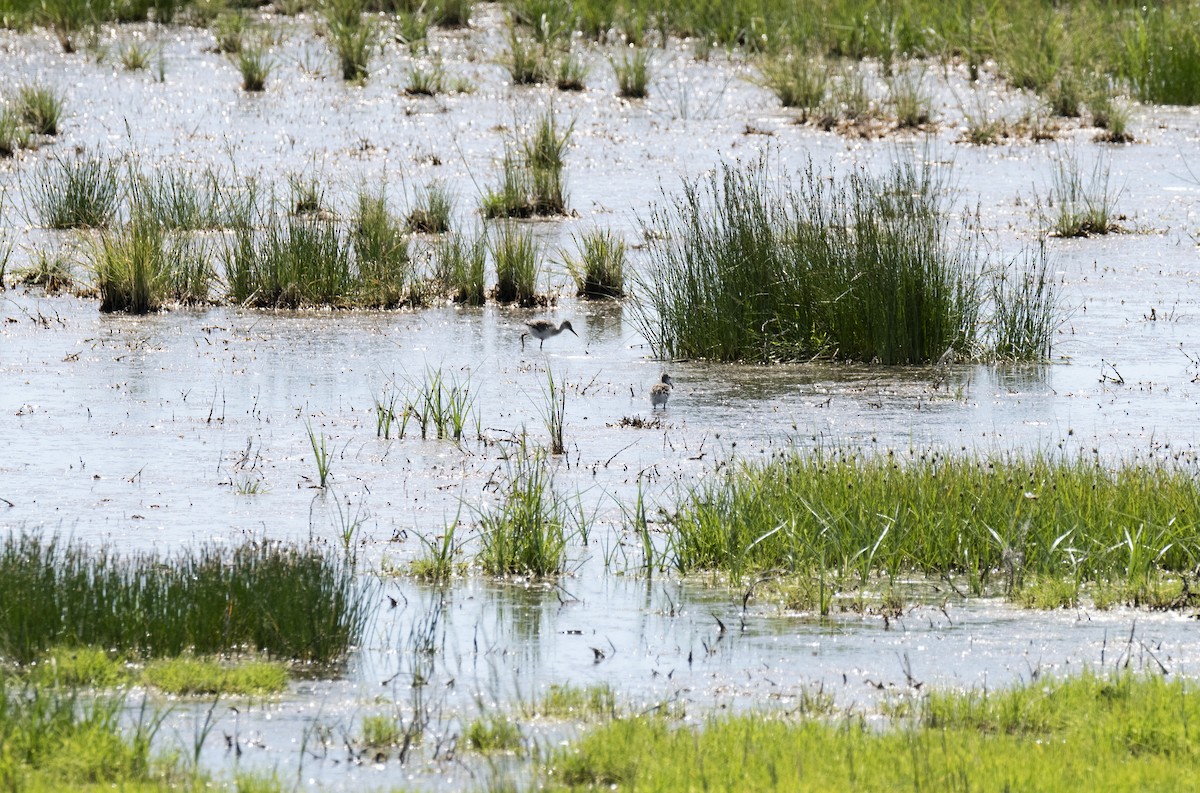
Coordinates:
<point>1084,205</point>
<point>749,267</point>
<point>433,210</point>
<point>1131,731</point>
<point>39,108</point>
<point>532,180</point>
<point>288,602</point>
<point>518,260</point>
<point>796,80</point>
<point>840,520</point>
<point>526,533</point>
<point>632,71</point>
<point>138,268</point>
<point>461,268</point>
<point>598,269</point>
<point>77,192</point>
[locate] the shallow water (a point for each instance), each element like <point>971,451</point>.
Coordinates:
<point>142,431</point>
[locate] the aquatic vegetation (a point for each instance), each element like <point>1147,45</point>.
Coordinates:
<point>1159,54</point>
<point>291,263</point>
<point>384,268</point>
<point>526,62</point>
<point>40,108</point>
<point>381,730</point>
<point>190,676</point>
<point>1111,116</point>
<point>461,268</point>
<point>526,533</point>
<point>353,37</point>
<point>599,267</point>
<point>55,739</point>
<point>1083,208</point>
<point>131,268</point>
<point>1025,311</point>
<point>493,734</point>
<point>52,272</point>
<point>136,56</point>
<point>909,98</point>
<point>14,134</point>
<point>78,667</point>
<point>742,270</point>
<point>532,182</point>
<point>84,191</point>
<point>433,210</point>
<point>573,702</point>
<point>1047,734</point>
<point>555,394</point>
<point>320,456</point>
<point>442,406</point>
<point>229,28</point>
<point>633,73</point>
<point>840,518</point>
<point>571,73</point>
<point>425,82</point>
<point>518,260</point>
<point>797,80</point>
<point>287,601</point>
<point>440,561</point>
<point>255,66</point>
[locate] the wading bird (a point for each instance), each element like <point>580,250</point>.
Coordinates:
<point>660,392</point>
<point>542,329</point>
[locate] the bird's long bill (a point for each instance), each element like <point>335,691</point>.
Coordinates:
<point>573,331</point>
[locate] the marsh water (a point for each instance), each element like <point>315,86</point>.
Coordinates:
<point>192,426</point>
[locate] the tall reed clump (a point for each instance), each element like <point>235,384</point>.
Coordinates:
<point>293,262</point>
<point>846,518</point>
<point>861,268</point>
<point>443,406</point>
<point>526,533</point>
<point>133,267</point>
<point>532,182</point>
<point>255,65</point>
<point>288,601</point>
<point>1025,311</point>
<point>1160,54</point>
<point>599,267</point>
<point>77,192</point>
<point>14,135</point>
<point>518,260</point>
<point>385,269</point>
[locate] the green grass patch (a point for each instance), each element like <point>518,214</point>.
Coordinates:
<point>1083,205</point>
<point>433,210</point>
<point>139,267</point>
<point>289,602</point>
<point>574,702</point>
<point>188,676</point>
<point>1132,732</point>
<point>489,734</point>
<point>839,521</point>
<point>53,739</point>
<point>78,667</point>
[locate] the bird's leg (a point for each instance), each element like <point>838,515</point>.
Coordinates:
<point>523,335</point>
